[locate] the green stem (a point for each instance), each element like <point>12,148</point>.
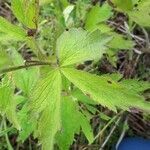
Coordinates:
<point>2,133</point>
<point>6,70</point>
<point>6,135</point>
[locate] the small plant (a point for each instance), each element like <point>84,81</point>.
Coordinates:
<point>41,95</point>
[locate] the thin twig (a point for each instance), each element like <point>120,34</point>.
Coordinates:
<point>110,134</point>
<point>137,51</point>
<point>6,131</point>
<point>107,125</point>
<point>134,65</point>
<point>123,29</point>
<point>9,146</point>
<point>123,133</point>
<point>146,37</point>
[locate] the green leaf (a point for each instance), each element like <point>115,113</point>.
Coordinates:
<point>26,125</point>
<point>7,102</point>
<point>124,5</point>
<point>45,103</point>
<point>65,84</point>
<point>143,9</point>
<point>105,91</point>
<point>76,93</point>
<point>19,99</point>
<point>17,7</point>
<point>70,124</point>
<point>32,14</point>
<point>65,3</point>
<point>135,85</point>
<point>86,128</point>
<point>49,125</point>
<point>4,59</point>
<point>77,45</point>
<point>97,15</point>
<point>67,15</point>
<point>45,90</point>
<point>43,2</point>
<point>24,79</point>
<point>72,120</point>
<point>11,31</point>
<point>114,76</point>
<point>119,42</point>
<point>26,12</point>
<point>104,116</point>
<point>104,28</point>
<point>5,96</point>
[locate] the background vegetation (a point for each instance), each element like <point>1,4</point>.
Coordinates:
<point>36,37</point>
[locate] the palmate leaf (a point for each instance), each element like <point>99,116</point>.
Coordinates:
<point>12,32</point>
<point>72,121</point>
<point>77,45</point>
<point>105,91</point>
<point>45,103</point>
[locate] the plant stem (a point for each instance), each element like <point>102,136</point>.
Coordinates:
<point>108,124</point>
<point>6,70</point>
<point>3,132</point>
<point>6,136</point>
<point>110,134</point>
<point>123,133</point>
